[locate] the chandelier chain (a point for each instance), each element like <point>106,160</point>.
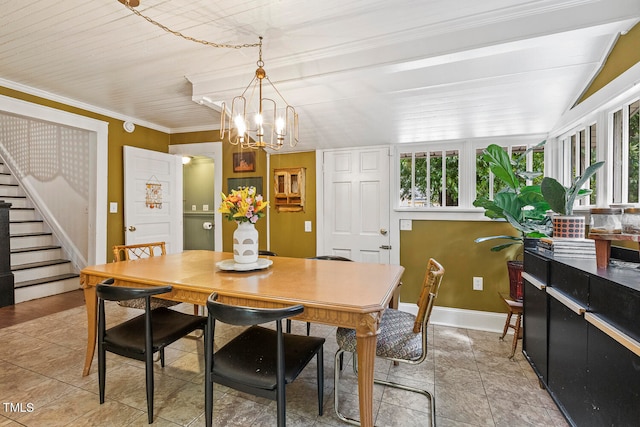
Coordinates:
<point>192,39</point>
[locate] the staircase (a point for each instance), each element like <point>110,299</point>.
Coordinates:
<point>37,263</point>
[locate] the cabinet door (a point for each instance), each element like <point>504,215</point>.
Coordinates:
<point>567,366</point>
<point>534,339</point>
<point>281,183</point>
<point>614,381</point>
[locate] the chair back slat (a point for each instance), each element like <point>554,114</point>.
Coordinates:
<point>141,250</point>
<point>331,258</point>
<point>243,316</point>
<point>428,294</point>
<point>122,293</point>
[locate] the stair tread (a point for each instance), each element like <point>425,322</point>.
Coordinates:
<point>38,264</point>
<point>43,280</point>
<point>35,249</point>
<point>38,233</point>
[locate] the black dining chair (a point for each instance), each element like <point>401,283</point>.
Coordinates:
<point>139,338</point>
<point>267,253</point>
<point>320,257</point>
<point>259,361</point>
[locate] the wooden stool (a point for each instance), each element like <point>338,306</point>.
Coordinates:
<point>514,307</point>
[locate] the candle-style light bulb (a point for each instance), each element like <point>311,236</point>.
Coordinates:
<point>280,125</point>
<point>240,126</point>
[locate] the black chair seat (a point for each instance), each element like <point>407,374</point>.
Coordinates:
<point>167,325</point>
<point>233,363</point>
<point>259,361</point>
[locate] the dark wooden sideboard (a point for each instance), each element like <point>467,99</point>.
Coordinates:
<point>582,336</point>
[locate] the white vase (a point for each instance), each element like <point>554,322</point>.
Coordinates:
<point>245,243</point>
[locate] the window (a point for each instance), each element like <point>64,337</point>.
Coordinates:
<point>533,161</point>
<point>452,174</point>
<point>580,153</point>
<point>625,124</point>
<point>429,178</point>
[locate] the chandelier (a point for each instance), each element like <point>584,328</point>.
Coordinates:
<point>256,121</point>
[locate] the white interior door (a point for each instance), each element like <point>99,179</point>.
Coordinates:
<point>356,204</point>
<point>153,198</point>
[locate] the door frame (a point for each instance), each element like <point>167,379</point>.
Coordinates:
<point>394,224</point>
<point>212,150</point>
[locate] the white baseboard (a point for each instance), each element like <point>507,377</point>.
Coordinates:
<point>461,318</point>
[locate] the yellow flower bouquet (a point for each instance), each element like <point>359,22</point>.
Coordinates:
<point>243,205</point>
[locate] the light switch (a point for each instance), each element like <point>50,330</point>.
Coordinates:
<point>113,207</point>
<point>205,208</point>
<point>194,208</point>
<point>307,226</point>
<point>406,225</point>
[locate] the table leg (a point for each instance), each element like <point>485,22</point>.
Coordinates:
<point>91,302</point>
<point>366,347</point>
<point>366,358</point>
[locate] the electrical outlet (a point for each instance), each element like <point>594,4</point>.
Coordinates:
<point>194,208</point>
<point>205,208</point>
<point>477,283</point>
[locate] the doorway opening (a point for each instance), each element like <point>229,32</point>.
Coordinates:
<point>208,154</point>
<point>199,203</point>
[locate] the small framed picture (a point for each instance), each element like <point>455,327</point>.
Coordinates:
<point>244,162</point>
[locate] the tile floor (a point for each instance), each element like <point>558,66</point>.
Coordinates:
<point>41,362</point>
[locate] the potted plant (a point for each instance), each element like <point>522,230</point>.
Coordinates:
<point>522,205</point>
<point>561,200</point>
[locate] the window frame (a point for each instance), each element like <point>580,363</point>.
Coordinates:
<point>466,168</point>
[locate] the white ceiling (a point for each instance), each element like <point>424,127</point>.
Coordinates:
<point>359,72</point>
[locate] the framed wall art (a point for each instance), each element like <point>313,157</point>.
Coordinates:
<point>244,162</point>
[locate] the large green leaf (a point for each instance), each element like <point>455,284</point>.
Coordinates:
<point>491,210</point>
<point>575,190</point>
<point>500,164</point>
<point>555,194</point>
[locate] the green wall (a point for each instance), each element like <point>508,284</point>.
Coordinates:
<point>624,55</point>
<point>452,244</point>
<point>288,237</point>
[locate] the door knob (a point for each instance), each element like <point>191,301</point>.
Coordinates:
<point>132,228</point>
<point>383,231</point>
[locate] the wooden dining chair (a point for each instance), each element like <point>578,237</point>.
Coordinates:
<point>260,361</point>
<point>139,338</point>
<point>141,250</point>
<point>402,338</point>
<point>138,251</point>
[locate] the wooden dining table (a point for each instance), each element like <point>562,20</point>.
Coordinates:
<point>347,294</point>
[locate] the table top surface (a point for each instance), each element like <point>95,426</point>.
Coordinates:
<point>352,286</point>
